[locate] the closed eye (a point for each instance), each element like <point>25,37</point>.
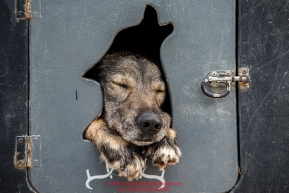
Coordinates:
<point>123,85</point>
<point>160,91</point>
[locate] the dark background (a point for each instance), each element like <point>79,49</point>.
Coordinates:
<point>263,47</point>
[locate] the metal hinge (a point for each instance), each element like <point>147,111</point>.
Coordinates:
<point>28,9</point>
<point>225,78</point>
<point>27,153</point>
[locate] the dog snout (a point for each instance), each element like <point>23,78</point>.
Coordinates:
<point>150,122</point>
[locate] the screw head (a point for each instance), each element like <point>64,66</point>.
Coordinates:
<point>21,162</point>
<point>244,71</point>
<point>20,13</point>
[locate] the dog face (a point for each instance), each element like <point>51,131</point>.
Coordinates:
<point>133,90</point>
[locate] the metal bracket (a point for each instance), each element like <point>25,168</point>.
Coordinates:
<point>28,149</point>
<point>244,72</point>
<point>222,78</point>
<point>28,9</point>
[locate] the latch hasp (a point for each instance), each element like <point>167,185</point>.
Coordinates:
<point>225,78</point>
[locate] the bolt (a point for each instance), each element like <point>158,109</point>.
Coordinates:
<point>20,140</point>
<point>214,73</point>
<point>35,139</point>
<point>214,84</point>
<point>35,13</point>
<point>244,71</point>
<point>36,161</point>
<point>21,162</point>
<point>245,85</point>
<point>228,73</point>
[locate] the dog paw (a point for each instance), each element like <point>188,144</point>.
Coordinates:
<point>120,155</point>
<point>166,155</point>
<point>126,161</point>
<point>165,151</point>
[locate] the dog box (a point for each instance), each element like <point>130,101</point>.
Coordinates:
<point>68,37</point>
<point>40,160</point>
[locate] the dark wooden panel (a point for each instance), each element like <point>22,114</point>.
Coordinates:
<point>264,112</point>
<point>13,96</point>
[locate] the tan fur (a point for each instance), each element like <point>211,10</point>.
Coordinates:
<point>171,133</point>
<point>98,129</point>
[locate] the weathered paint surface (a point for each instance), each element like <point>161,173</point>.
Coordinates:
<point>13,96</point>
<point>73,35</point>
<point>264,131</point>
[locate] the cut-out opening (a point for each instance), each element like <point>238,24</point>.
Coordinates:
<point>145,39</point>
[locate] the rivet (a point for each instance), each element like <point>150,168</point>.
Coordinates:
<point>21,162</point>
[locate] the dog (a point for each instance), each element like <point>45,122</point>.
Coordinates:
<point>132,126</point>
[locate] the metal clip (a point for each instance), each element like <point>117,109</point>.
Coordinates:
<point>226,79</point>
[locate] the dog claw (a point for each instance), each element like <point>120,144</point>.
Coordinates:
<point>130,177</point>
<point>130,171</point>
<point>136,175</point>
<point>166,155</point>
<point>173,162</point>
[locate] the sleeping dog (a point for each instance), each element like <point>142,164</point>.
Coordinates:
<point>132,126</point>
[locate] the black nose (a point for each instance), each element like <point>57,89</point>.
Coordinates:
<point>150,122</point>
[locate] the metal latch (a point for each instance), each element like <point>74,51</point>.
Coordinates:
<point>28,9</point>
<point>27,153</point>
<point>225,78</point>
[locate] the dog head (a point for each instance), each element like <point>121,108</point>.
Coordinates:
<point>133,91</point>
